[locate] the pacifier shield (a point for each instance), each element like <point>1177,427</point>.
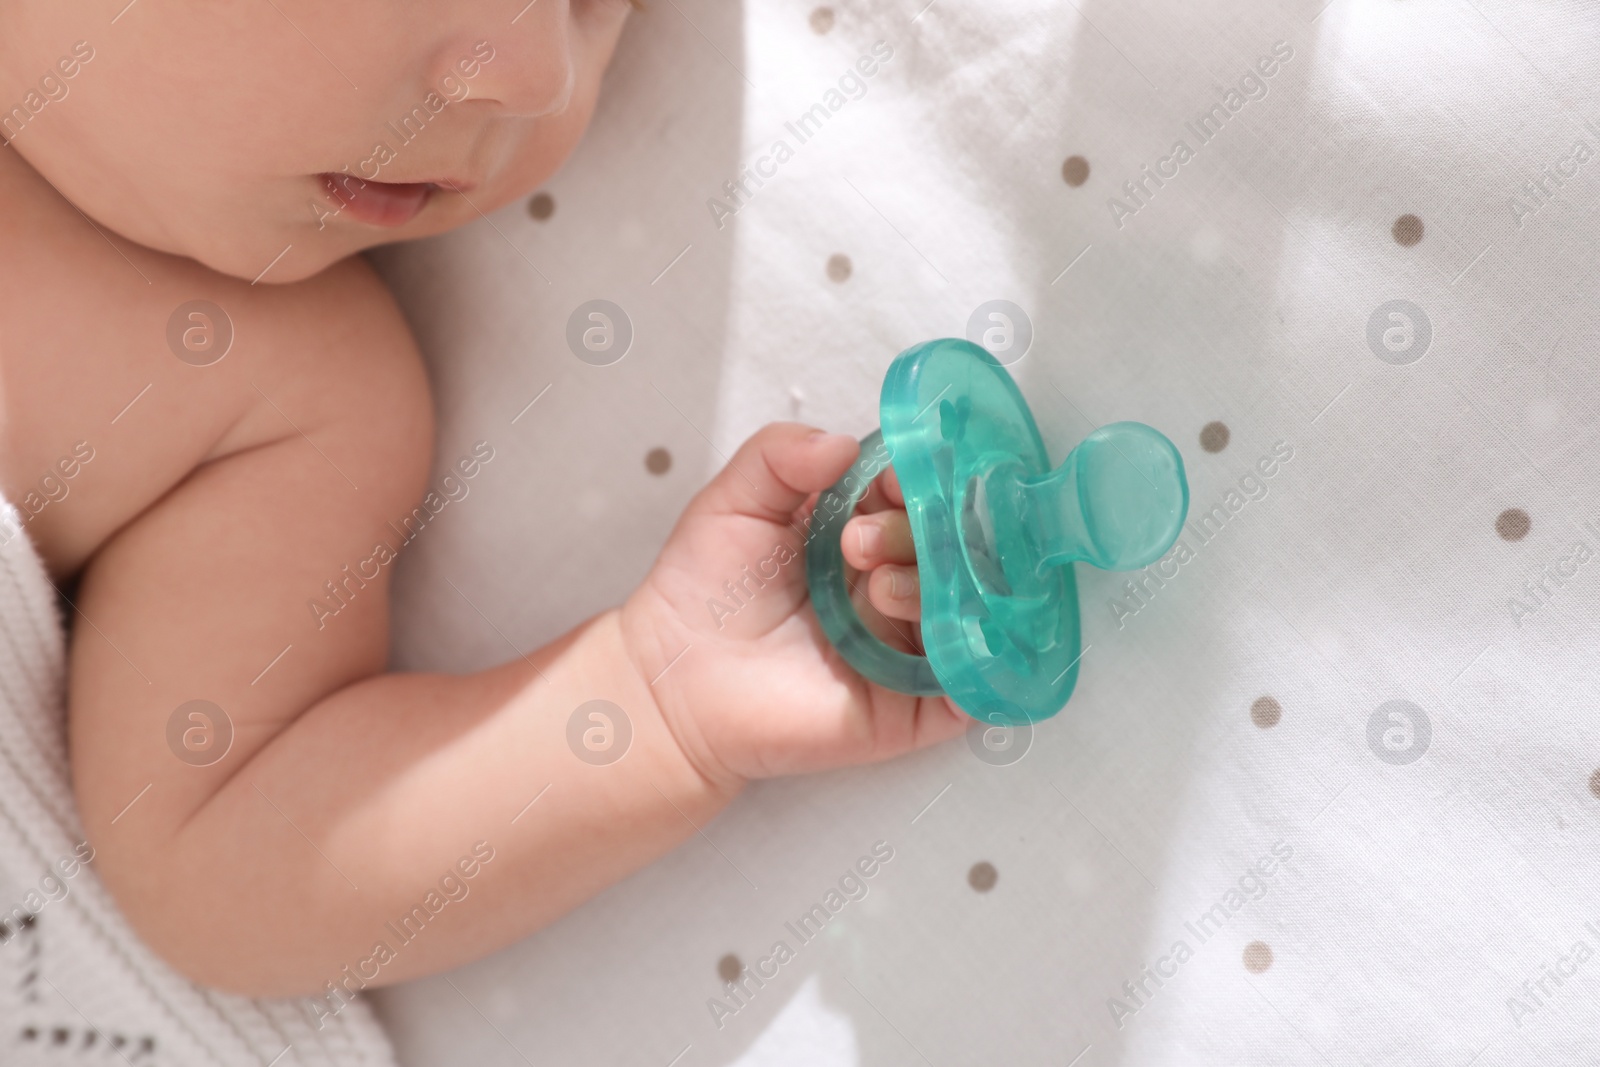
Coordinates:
<point>1000,632</point>
<point>996,531</point>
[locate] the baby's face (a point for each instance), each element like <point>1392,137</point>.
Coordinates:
<point>231,132</point>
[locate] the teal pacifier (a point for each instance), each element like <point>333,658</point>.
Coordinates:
<point>996,531</point>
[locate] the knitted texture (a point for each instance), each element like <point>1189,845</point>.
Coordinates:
<point>76,984</point>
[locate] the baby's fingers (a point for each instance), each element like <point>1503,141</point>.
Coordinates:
<point>774,472</point>
<point>897,592</point>
<point>881,538</point>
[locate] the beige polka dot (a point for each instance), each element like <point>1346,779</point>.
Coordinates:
<point>1075,171</point>
<point>983,876</point>
<point>839,267</point>
<point>1257,956</point>
<point>1214,436</point>
<point>542,206</point>
<point>1266,712</point>
<point>729,968</point>
<point>658,461</point>
<point>822,19</point>
<point>1513,524</point>
<point>1594,783</point>
<point>1407,230</point>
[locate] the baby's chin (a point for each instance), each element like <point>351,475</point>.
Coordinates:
<point>298,258</point>
<point>281,256</point>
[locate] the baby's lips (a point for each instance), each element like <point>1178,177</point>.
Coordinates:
<point>386,204</point>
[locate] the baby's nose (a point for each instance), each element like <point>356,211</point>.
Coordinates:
<point>528,68</point>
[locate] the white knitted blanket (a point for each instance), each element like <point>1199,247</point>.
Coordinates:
<point>76,984</point>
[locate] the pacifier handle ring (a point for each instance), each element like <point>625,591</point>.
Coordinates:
<point>830,593</point>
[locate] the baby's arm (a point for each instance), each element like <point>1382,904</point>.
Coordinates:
<point>347,793</point>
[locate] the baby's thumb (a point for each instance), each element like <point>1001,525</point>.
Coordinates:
<point>774,472</point>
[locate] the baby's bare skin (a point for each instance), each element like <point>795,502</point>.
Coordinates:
<point>220,499</point>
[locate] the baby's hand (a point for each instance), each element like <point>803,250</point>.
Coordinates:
<point>722,627</point>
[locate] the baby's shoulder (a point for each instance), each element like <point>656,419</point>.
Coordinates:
<point>155,365</point>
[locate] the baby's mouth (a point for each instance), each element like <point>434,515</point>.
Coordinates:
<point>378,203</point>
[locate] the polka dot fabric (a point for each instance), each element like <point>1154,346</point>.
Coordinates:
<point>1329,788</point>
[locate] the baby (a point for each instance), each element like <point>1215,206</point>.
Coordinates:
<point>190,333</point>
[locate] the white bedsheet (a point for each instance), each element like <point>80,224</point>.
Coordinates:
<point>1438,902</point>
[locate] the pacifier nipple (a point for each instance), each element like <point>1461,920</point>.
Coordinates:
<point>1117,502</point>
